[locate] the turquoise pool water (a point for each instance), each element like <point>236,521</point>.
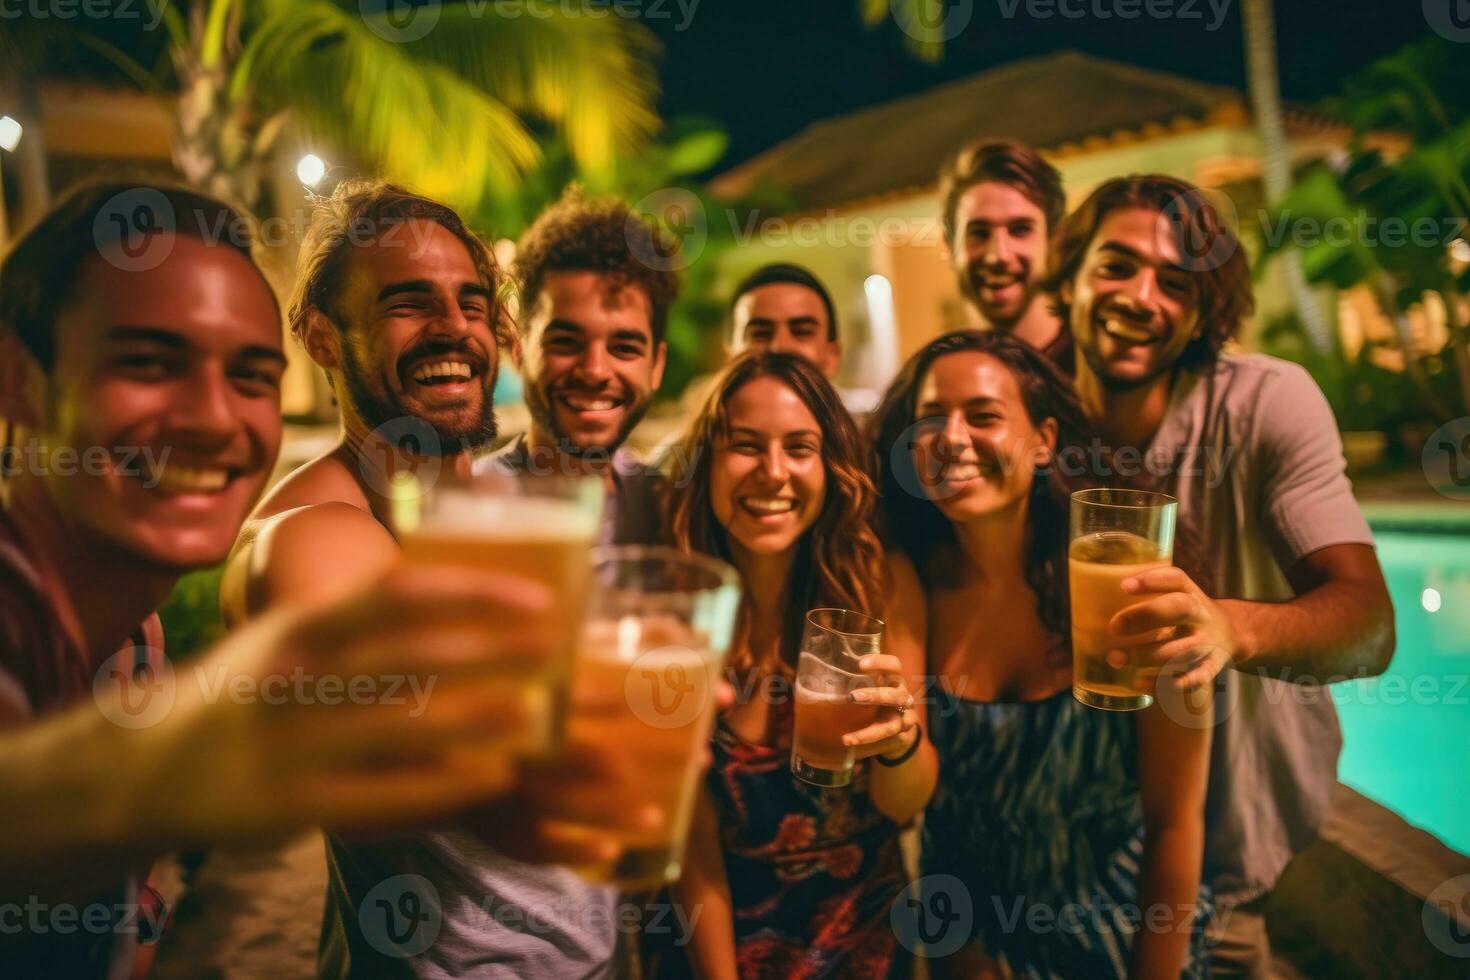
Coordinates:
<point>1406,734</point>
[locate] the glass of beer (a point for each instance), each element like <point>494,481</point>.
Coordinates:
<point>659,625</point>
<point>1115,535</point>
<point>832,643</point>
<point>537,527</point>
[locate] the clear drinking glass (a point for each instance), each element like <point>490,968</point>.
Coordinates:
<point>537,527</point>
<point>1115,534</point>
<point>659,625</point>
<point>832,643</point>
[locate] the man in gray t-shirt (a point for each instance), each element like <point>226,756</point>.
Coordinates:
<point>1276,589</point>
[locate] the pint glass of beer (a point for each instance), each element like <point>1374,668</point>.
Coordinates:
<point>537,527</point>
<point>1115,534</point>
<point>832,643</point>
<point>659,625</point>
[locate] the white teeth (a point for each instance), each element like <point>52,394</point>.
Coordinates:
<point>591,404</point>
<point>963,471</point>
<point>1127,331</point>
<point>442,369</point>
<point>769,505</point>
<point>177,478</point>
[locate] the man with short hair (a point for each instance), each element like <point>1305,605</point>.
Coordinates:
<point>140,368</point>
<point>785,307</point>
<point>1276,581</point>
<point>1002,201</point>
<point>593,319</point>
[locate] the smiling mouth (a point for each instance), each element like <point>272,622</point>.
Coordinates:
<point>589,403</point>
<point>178,479</point>
<point>1121,329</point>
<point>432,373</point>
<point>768,506</point>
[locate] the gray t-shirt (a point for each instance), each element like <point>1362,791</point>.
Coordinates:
<point>1255,459</point>
<point>447,904</point>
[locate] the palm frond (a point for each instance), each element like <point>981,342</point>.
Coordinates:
<point>586,70</point>
<point>924,23</point>
<point>421,122</point>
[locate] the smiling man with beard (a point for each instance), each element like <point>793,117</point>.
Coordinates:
<point>1277,582</point>
<point>593,316</point>
<point>1001,203</point>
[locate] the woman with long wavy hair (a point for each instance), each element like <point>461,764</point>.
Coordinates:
<point>796,880</point>
<point>1085,815</point>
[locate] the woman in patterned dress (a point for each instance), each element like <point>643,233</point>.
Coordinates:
<point>795,880</point>
<point>1060,823</point>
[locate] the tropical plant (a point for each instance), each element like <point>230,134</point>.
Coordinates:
<point>925,23</point>
<point>1403,207</point>
<point>450,97</point>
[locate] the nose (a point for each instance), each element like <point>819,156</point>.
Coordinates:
<point>773,464</point>
<point>998,248</point>
<point>204,409</point>
<point>1143,288</point>
<point>954,437</point>
<point>451,323</point>
<point>595,366</point>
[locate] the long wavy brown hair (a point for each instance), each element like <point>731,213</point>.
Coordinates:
<point>839,561</point>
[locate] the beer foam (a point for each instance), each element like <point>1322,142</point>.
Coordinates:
<point>509,517</point>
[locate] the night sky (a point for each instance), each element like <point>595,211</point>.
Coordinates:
<point>768,68</point>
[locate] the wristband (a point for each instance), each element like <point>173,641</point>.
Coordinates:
<point>908,753</point>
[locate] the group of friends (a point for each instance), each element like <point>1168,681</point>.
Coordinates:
<point>944,513</point>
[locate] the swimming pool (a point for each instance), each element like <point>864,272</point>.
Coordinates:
<point>1406,734</point>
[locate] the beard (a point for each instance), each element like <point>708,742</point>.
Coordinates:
<point>377,408</point>
<point>971,283</point>
<point>543,416</point>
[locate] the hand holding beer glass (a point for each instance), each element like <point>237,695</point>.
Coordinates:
<point>833,642</point>
<point>1115,535</point>
<point>659,624</point>
<point>539,528</point>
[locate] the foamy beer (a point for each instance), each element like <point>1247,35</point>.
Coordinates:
<point>1116,534</point>
<point>658,628</point>
<point>537,527</point>
<point>832,643</point>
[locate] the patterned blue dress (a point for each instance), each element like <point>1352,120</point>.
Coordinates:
<point>1038,814</point>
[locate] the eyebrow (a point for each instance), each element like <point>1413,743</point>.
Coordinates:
<point>1113,246</point>
<point>968,402</point>
<point>619,333</point>
<point>425,286</point>
<point>746,430</point>
<point>176,341</point>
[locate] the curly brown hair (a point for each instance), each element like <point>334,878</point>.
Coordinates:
<point>605,236</point>
<point>357,212</point>
<point>839,561</point>
<point>1208,249</point>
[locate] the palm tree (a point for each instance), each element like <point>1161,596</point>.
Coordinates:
<point>927,24</point>
<point>451,101</point>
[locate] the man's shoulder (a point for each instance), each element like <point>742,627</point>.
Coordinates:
<point>1261,370</point>
<point>325,480</point>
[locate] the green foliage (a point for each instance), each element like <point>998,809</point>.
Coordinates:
<point>191,616</point>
